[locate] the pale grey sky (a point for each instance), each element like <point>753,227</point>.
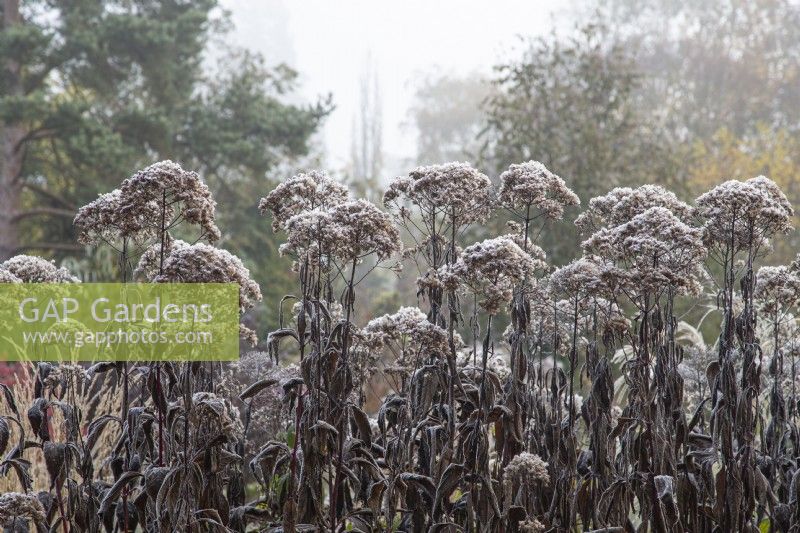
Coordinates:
<point>328,42</point>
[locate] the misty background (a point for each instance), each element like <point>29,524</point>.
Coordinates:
<point>248,92</point>
<point>393,48</point>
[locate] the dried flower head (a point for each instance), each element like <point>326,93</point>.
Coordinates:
<point>104,220</point>
<point>528,469</point>
<point>70,374</point>
<point>744,213</point>
<point>531,525</point>
<point>349,231</point>
<point>32,269</point>
<point>455,189</point>
<point>621,204</point>
<point>252,364</point>
<point>409,331</point>
<point>303,192</point>
<point>655,248</point>
<point>531,185</point>
<point>8,277</point>
<point>17,505</point>
<point>175,192</point>
<point>587,276</point>
<point>529,247</point>
<point>491,269</point>
<point>212,412</point>
<point>495,363</point>
<point>248,335</point>
<point>777,289</point>
<point>149,262</point>
<point>365,230</point>
<point>310,236</point>
<point>202,263</point>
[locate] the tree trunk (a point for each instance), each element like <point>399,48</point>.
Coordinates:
<point>10,190</point>
<point>12,137</point>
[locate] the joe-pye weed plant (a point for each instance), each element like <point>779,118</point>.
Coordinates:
<point>596,409</point>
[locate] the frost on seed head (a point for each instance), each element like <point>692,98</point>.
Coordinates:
<point>655,249</point>
<point>531,184</point>
<point>174,191</point>
<point>8,277</point>
<point>586,276</point>
<point>495,363</point>
<point>32,269</point>
<point>456,189</point>
<point>149,262</point>
<point>409,330</point>
<point>348,231</point>
<point>491,269</point>
<point>531,526</point>
<point>301,193</point>
<point>365,230</point>
<point>777,289</point>
<point>527,468</point>
<point>203,263</point>
<point>105,220</point>
<point>15,505</point>
<point>621,204</point>
<point>744,213</point>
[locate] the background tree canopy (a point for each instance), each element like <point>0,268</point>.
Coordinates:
<point>91,90</point>
<point>679,93</point>
<point>574,105</point>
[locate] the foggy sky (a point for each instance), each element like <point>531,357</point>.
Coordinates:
<point>329,41</point>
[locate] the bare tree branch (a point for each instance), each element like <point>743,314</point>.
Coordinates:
<point>44,192</point>
<point>61,246</point>
<point>54,211</point>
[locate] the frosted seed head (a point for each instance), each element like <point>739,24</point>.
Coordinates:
<point>170,188</point>
<point>457,189</point>
<point>303,192</point>
<point>32,269</point>
<point>532,184</point>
